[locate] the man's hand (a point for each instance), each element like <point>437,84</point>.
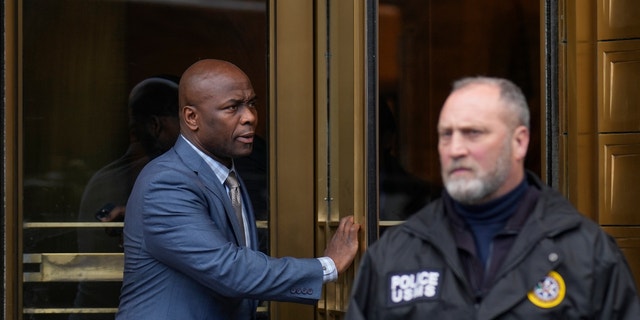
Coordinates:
<point>114,215</point>
<point>343,246</point>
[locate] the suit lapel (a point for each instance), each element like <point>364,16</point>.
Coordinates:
<point>210,181</point>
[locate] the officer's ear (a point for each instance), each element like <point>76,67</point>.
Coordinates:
<point>520,142</point>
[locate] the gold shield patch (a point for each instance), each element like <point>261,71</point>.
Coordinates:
<point>549,292</point>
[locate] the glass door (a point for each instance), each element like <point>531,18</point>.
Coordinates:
<point>94,77</point>
<point>423,46</point>
<point>384,69</point>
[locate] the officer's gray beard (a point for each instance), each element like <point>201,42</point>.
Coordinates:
<point>476,190</point>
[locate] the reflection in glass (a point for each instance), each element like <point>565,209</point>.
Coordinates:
<point>154,128</point>
<point>81,60</point>
<point>401,193</point>
<point>423,47</point>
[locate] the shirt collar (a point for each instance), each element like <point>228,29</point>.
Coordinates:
<point>220,170</point>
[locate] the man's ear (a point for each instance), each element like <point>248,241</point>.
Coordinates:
<point>520,142</point>
<point>155,126</point>
<point>190,117</point>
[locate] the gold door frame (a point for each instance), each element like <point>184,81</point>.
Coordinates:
<point>13,158</point>
<point>600,135</point>
<point>322,96</point>
<point>291,160</point>
<point>317,82</point>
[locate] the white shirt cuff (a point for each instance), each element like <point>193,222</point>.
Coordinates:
<point>329,269</point>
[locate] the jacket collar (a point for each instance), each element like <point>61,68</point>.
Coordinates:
<point>193,160</point>
<point>552,215</point>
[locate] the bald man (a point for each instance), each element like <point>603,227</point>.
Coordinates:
<point>188,254</point>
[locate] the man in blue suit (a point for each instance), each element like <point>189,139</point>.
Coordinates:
<point>187,255</point>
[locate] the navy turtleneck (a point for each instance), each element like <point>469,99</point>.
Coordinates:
<point>488,219</point>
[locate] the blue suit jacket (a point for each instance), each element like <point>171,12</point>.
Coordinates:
<point>182,259</point>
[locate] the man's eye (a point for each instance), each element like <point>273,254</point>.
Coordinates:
<point>472,132</point>
<point>444,134</point>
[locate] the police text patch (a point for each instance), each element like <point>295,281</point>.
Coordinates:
<point>408,286</point>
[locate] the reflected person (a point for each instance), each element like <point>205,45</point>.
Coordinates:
<point>153,129</point>
<point>401,193</point>
<point>190,251</point>
<point>498,244</point>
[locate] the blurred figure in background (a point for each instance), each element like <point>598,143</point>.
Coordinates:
<point>153,129</point>
<point>401,193</point>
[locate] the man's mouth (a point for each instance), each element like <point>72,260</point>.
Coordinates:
<point>246,138</point>
<point>459,171</point>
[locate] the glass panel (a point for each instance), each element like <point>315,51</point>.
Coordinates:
<point>423,47</point>
<point>82,146</point>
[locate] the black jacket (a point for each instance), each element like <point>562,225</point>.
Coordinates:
<point>414,272</point>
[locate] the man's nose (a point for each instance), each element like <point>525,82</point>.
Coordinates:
<point>457,146</point>
<point>249,115</point>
